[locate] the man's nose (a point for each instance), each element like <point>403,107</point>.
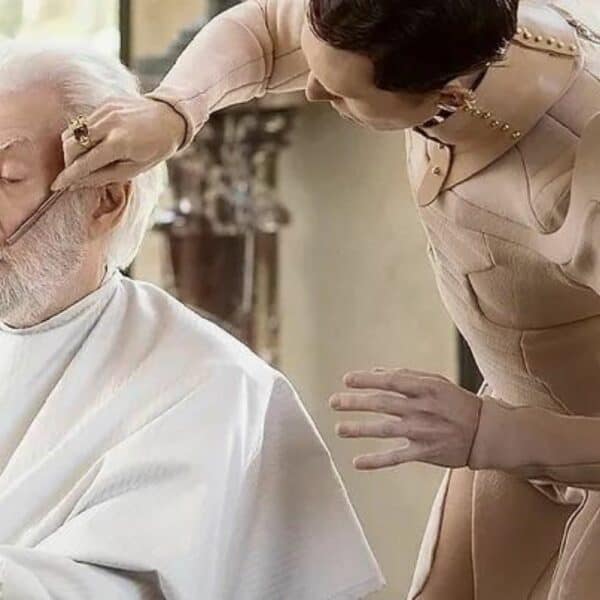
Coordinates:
<point>315,92</point>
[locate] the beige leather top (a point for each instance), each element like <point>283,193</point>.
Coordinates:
<point>514,238</point>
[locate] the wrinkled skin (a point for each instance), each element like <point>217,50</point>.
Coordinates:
<point>62,257</point>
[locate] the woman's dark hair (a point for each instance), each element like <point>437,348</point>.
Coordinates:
<point>417,45</point>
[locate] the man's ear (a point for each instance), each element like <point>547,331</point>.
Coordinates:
<point>110,206</point>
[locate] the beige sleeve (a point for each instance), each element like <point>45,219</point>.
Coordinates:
<point>539,444</point>
<point>243,53</point>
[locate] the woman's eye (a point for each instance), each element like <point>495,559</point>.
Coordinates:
<point>5,179</point>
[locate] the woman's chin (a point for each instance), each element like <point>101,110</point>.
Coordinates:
<point>375,125</point>
<point>383,126</point>
<point>347,117</point>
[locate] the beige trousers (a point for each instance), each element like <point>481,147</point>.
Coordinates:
<point>500,538</point>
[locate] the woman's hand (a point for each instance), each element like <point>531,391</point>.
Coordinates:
<point>435,419</point>
<point>129,136</point>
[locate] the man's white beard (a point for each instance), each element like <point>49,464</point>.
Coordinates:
<point>41,264</point>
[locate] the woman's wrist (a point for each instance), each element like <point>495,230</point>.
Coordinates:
<point>512,438</point>
<point>174,120</point>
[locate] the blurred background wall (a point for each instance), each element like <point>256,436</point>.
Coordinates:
<point>357,292</point>
<point>156,23</point>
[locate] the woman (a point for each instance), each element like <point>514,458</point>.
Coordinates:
<point>499,103</point>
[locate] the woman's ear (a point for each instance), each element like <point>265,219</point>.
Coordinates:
<point>110,207</point>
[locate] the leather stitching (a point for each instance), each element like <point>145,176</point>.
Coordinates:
<point>544,385</point>
<point>557,120</point>
<point>285,81</point>
<point>529,195</point>
<point>236,89</point>
<point>541,575</point>
<point>580,543</point>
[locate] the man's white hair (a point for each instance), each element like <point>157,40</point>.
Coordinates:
<point>86,80</point>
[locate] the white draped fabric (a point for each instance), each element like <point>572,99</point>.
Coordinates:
<point>144,453</point>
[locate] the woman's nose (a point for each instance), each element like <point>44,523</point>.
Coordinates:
<point>315,92</point>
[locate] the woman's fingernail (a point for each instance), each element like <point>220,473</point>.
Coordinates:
<point>341,431</point>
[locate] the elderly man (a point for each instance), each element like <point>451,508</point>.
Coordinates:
<point>144,453</point>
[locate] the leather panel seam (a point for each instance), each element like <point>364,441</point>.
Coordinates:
<point>543,384</point>
<point>519,153</point>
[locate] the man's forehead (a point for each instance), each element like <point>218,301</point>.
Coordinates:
<point>31,115</point>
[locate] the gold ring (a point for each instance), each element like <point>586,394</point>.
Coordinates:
<point>81,132</point>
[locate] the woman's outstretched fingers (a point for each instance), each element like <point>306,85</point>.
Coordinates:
<point>370,401</point>
<point>400,381</point>
<point>439,417</point>
<point>385,428</point>
<point>409,372</point>
<point>411,451</point>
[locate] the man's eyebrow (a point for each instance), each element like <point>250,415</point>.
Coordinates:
<point>12,142</point>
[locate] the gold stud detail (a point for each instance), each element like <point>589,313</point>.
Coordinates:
<point>538,38</point>
<point>478,112</point>
<point>494,123</point>
<point>519,30</point>
<point>551,41</point>
<point>505,127</point>
<point>487,115</point>
<point>516,135</point>
<point>527,35</point>
<point>437,171</point>
<point>560,44</point>
<point>467,108</point>
<point>573,48</point>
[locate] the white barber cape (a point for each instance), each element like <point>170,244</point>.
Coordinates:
<point>144,453</point>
